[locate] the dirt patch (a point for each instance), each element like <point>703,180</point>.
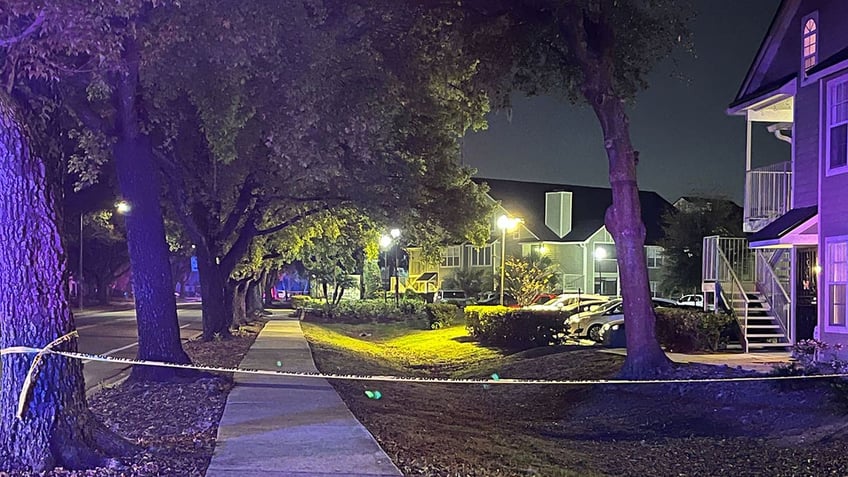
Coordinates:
<point>175,424</point>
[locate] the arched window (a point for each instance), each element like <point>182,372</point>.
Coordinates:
<point>810,43</point>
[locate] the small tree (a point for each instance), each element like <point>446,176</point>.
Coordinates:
<point>471,280</point>
<point>684,231</point>
<point>526,277</point>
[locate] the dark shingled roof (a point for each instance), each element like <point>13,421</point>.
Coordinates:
<point>762,90</point>
<point>588,206</point>
<point>784,224</point>
<point>840,56</point>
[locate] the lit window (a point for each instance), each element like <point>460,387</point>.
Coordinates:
<point>481,256</point>
<point>452,256</point>
<point>837,281</point>
<point>838,125</point>
<point>810,43</point>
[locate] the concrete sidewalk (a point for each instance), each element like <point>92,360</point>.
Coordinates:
<point>275,426</point>
<point>760,362</point>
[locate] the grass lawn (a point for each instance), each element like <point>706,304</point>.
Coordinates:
<point>754,428</point>
<point>452,429</point>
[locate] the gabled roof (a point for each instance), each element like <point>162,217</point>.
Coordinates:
<point>588,207</point>
<point>766,53</point>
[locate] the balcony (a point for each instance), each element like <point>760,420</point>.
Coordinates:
<point>768,192</point>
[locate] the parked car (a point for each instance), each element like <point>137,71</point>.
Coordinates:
<point>456,297</point>
<point>589,325</point>
<point>495,299</point>
<point>612,332</point>
<point>693,301</point>
<point>565,299</point>
<point>543,298</point>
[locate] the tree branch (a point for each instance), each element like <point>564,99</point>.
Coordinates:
<point>35,25</point>
<point>240,209</point>
<point>292,221</point>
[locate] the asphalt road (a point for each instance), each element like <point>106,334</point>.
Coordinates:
<point>114,333</point>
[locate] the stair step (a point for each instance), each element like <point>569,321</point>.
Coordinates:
<point>765,335</point>
<point>767,345</point>
<point>763,327</point>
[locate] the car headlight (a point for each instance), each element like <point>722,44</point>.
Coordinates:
<point>615,327</point>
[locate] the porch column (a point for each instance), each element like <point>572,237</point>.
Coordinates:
<point>747,142</point>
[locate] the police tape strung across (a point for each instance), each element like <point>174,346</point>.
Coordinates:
<point>493,379</point>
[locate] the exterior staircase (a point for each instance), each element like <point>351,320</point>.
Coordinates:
<point>747,283</point>
<point>761,330</point>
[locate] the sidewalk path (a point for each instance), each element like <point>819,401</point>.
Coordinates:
<point>760,362</point>
<point>275,426</point>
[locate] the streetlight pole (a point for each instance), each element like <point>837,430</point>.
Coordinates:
<point>395,233</point>
<point>79,280</point>
<point>505,223</point>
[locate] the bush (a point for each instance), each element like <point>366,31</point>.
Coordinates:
<point>683,330</point>
<point>367,311</point>
<point>515,329</point>
<point>440,315</point>
<point>302,301</point>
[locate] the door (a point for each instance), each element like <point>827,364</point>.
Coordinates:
<point>806,291</point>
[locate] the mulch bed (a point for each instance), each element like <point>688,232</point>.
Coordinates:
<point>175,424</point>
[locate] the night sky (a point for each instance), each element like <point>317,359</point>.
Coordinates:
<point>687,144</point>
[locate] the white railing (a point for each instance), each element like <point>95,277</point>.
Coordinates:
<point>770,286</point>
<point>732,293</point>
<point>735,250</point>
<point>768,192</point>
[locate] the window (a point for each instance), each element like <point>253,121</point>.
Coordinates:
<point>837,280</point>
<point>810,43</point>
<point>837,125</point>
<point>451,256</point>
<point>655,257</point>
<point>481,256</point>
<point>654,287</point>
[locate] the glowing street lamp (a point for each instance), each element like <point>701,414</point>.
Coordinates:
<point>600,254</point>
<point>122,207</point>
<point>505,223</point>
<point>392,241</point>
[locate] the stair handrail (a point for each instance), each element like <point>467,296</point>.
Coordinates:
<point>774,292</point>
<point>736,286</point>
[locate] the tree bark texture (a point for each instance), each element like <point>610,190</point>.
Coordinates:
<point>268,285</point>
<point>56,429</point>
<point>624,222</point>
<point>156,307</point>
<point>238,294</point>
<point>216,317</point>
<point>253,300</point>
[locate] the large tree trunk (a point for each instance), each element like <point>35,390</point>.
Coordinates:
<point>268,285</point>
<point>253,300</point>
<point>56,428</point>
<point>216,315</point>
<point>238,293</point>
<point>156,307</point>
<point>103,291</point>
<point>624,222</point>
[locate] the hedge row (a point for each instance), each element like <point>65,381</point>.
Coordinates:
<point>683,330</point>
<point>515,329</point>
<point>381,311</point>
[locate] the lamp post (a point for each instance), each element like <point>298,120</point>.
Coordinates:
<point>600,254</point>
<point>122,207</point>
<point>385,243</point>
<point>505,223</point>
<point>395,233</point>
<point>79,279</point>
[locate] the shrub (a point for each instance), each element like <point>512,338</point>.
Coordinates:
<point>302,301</point>
<point>685,330</point>
<point>515,329</point>
<point>440,315</point>
<point>367,311</point>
